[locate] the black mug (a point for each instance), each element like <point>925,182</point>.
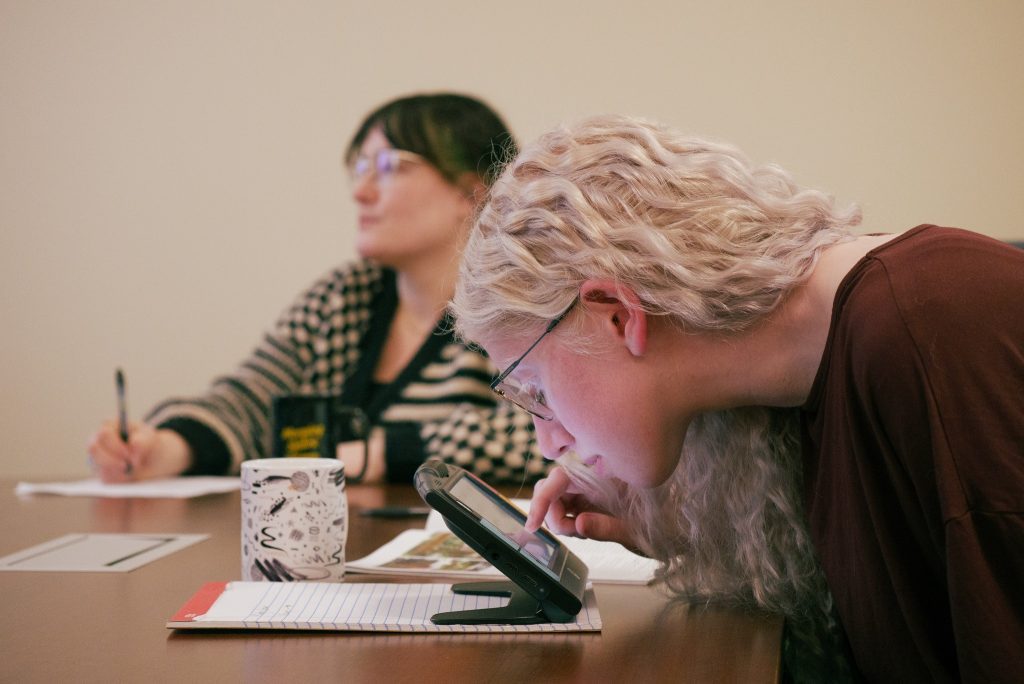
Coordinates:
<point>313,425</point>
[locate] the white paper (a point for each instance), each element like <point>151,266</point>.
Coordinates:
<point>607,561</point>
<point>434,551</point>
<point>169,488</point>
<point>98,552</point>
<point>396,607</point>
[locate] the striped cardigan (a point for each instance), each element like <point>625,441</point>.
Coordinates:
<point>328,342</point>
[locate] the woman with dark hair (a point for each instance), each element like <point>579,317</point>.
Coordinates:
<point>376,331</point>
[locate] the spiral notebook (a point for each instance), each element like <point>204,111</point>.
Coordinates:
<point>358,607</point>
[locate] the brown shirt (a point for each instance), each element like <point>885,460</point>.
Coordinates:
<point>914,459</point>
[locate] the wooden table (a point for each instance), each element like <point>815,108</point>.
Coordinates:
<point>107,627</point>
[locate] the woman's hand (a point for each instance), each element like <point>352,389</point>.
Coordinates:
<point>567,511</point>
<point>148,454</point>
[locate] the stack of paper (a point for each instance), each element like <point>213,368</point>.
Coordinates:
<point>173,487</point>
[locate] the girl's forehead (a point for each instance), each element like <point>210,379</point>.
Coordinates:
<point>501,352</point>
<point>374,140</point>
<point>505,350</point>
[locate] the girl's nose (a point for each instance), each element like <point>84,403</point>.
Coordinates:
<point>552,438</point>
<point>364,190</point>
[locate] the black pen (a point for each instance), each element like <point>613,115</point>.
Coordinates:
<point>122,415</point>
<point>396,512</point>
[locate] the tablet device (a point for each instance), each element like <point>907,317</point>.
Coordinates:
<point>552,578</point>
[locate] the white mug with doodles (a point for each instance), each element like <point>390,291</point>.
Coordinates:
<point>294,520</point>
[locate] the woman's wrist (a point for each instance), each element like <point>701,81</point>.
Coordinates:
<point>175,454</point>
<point>365,457</point>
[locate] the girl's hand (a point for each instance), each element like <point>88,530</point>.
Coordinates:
<point>566,511</point>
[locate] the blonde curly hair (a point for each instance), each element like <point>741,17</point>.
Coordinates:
<point>713,243</point>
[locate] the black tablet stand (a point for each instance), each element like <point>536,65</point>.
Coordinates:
<point>522,609</point>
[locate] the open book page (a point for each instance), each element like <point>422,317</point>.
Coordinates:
<point>436,552</point>
<point>427,554</point>
<point>351,607</point>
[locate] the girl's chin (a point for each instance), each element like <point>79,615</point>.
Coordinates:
<point>367,249</point>
<point>373,253</point>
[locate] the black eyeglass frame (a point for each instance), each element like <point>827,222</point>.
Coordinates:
<point>495,384</point>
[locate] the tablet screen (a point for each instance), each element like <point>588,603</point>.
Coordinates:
<point>505,521</point>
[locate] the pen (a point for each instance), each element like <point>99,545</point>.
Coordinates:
<point>396,512</point>
<point>122,415</point>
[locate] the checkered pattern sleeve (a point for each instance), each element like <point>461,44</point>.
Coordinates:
<point>312,348</point>
<point>496,442</point>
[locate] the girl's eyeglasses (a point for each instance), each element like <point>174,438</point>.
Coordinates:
<point>384,164</point>
<point>527,397</point>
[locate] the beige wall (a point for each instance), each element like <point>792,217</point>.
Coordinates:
<point>169,173</point>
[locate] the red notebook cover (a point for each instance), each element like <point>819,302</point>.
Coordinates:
<point>200,602</point>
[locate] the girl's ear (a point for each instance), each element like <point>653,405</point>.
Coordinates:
<point>619,310</point>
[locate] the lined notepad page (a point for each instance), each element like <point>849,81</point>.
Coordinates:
<point>363,607</point>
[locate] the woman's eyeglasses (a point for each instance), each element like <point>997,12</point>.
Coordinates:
<point>527,396</point>
<point>384,164</point>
